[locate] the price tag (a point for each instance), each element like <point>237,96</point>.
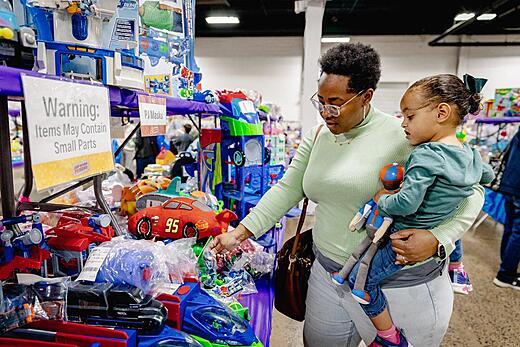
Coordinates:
<point>94,262</point>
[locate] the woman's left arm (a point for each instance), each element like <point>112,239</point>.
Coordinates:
<point>417,245</point>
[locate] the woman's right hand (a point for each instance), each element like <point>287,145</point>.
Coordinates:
<point>230,240</point>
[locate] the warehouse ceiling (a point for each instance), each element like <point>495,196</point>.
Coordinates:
<point>357,17</point>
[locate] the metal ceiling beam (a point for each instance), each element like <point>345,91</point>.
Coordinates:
<point>459,26</point>
<point>213,2</point>
<point>476,43</point>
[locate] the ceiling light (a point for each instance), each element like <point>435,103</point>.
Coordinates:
<point>222,20</point>
<point>487,16</point>
<point>335,39</point>
<point>464,16</point>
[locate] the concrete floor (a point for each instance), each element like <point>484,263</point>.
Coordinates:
<point>488,316</point>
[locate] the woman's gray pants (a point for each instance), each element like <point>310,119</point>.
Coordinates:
<point>333,318</point>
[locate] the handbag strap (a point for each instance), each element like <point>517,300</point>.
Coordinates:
<point>304,209</point>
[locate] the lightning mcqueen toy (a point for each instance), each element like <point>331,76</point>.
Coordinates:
<point>179,217</point>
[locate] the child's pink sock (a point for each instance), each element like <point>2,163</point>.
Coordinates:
<point>389,335</point>
<point>459,267</point>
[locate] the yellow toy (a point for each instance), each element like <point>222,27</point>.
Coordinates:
<point>153,170</point>
<point>165,157</point>
<point>127,202</point>
<point>461,135</point>
<point>130,194</point>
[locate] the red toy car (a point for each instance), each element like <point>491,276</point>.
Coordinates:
<point>179,217</point>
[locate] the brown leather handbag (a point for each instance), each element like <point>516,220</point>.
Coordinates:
<point>294,268</point>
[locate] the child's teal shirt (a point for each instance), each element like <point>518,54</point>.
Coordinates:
<point>438,177</point>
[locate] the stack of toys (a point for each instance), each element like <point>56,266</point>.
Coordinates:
<point>133,286</point>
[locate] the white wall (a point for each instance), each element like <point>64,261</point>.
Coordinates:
<point>405,59</point>
<point>273,65</point>
<point>408,58</point>
<point>500,65</point>
<point>270,65</point>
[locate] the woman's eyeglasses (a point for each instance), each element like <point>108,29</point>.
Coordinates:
<point>332,110</point>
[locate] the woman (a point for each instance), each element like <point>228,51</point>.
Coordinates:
<point>340,173</point>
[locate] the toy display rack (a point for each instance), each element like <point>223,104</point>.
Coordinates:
<point>123,103</point>
<point>480,121</point>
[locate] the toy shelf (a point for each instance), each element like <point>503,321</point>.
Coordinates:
<point>501,122</point>
<point>487,120</point>
<point>123,102</point>
<point>246,197</point>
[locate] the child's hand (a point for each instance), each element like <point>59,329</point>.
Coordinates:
<point>383,191</point>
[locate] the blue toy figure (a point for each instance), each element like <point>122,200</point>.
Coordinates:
<point>376,227</point>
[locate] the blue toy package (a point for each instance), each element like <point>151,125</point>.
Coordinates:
<point>168,337</point>
<point>123,27</point>
<point>137,262</point>
<point>166,41</point>
<point>128,266</point>
<point>195,312</point>
<point>71,41</point>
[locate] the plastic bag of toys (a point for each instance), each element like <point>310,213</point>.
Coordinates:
<point>181,260</point>
<point>251,257</point>
<point>232,283</point>
<point>19,305</point>
<point>218,279</point>
<point>51,293</point>
<point>206,264</point>
<point>140,263</point>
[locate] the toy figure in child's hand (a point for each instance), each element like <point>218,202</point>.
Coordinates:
<point>376,227</point>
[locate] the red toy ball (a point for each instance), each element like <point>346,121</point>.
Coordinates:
<point>391,175</point>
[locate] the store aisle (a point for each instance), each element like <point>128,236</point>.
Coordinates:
<point>486,317</point>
